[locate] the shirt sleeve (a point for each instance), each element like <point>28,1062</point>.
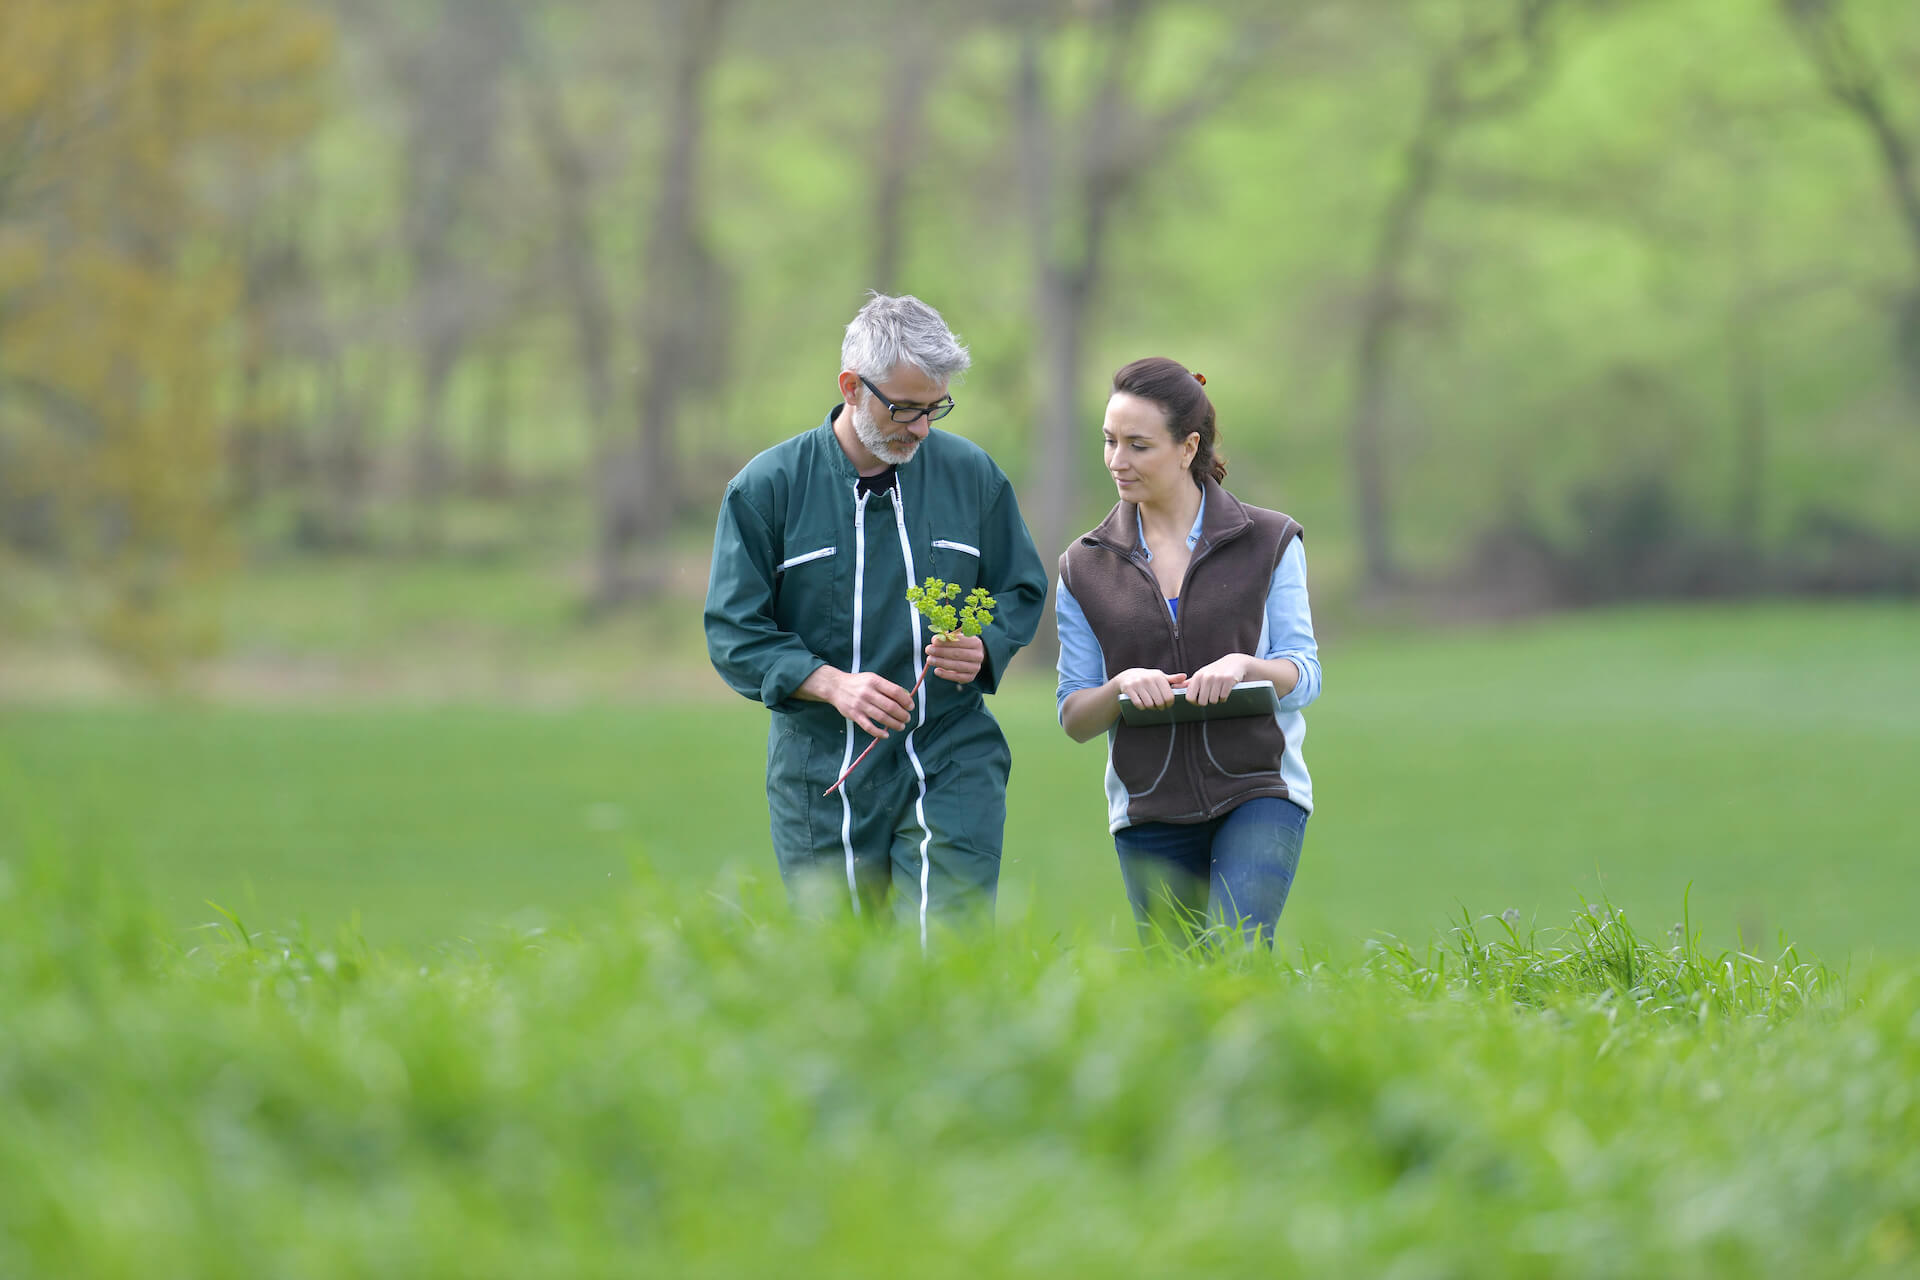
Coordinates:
<point>1290,626</point>
<point>1082,663</point>
<point>749,650</point>
<point>1013,575</point>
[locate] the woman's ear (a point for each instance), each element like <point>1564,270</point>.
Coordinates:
<point>1189,448</point>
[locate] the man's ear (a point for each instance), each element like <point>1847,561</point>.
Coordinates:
<point>849,387</point>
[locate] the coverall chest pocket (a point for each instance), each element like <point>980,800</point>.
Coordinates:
<point>957,560</point>
<point>803,586</point>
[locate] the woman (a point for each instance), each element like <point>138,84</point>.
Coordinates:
<point>1183,586</point>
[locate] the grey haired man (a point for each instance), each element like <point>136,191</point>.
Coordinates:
<point>818,539</point>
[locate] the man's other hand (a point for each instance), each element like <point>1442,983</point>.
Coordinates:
<point>869,700</point>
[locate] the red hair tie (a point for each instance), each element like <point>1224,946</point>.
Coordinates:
<point>1200,378</point>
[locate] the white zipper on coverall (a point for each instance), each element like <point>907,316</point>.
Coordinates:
<point>920,801</point>
<point>859,597</point>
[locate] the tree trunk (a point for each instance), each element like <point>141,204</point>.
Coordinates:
<point>894,163</point>
<point>453,95</point>
<point>1068,223</point>
<point>1477,79</point>
<point>491,472</point>
<point>581,280</point>
<point>1062,351</point>
<point>345,472</point>
<point>1869,103</point>
<point>1896,158</point>
<point>1057,364</point>
<point>1856,85</point>
<point>677,309</point>
<point>1852,81</point>
<point>1746,372</point>
<point>1381,312</point>
<point>428,455</point>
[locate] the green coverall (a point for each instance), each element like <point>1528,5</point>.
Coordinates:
<point>806,572</point>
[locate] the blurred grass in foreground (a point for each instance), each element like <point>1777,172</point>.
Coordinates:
<point>712,1090</point>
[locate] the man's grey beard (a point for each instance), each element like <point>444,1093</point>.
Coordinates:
<point>873,435</point>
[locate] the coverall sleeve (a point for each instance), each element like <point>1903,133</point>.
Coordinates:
<point>751,653</point>
<point>1012,573</point>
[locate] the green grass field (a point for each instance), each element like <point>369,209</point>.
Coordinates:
<point>1762,755</point>
<point>707,1090</point>
<point>573,1033</point>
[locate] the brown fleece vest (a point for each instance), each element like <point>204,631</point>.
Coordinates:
<point>1185,772</point>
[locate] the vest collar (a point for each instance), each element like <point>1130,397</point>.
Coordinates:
<point>1224,518</point>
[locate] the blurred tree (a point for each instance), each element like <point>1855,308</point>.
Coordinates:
<point>296,435</point>
<point>1085,147</point>
<point>1746,366</point>
<point>1850,75</point>
<point>452,74</point>
<point>118,296</point>
<point>545,219</point>
<point>578,271</point>
<point>274,265</point>
<point>1496,65</point>
<point>683,320</point>
<point>909,76</point>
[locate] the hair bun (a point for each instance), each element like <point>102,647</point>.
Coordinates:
<point>1200,378</point>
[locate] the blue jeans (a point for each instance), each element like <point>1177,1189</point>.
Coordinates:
<point>1234,871</point>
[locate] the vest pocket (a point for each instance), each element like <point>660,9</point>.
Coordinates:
<point>1142,756</point>
<point>1244,746</point>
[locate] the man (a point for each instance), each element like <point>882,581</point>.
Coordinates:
<point>817,541</point>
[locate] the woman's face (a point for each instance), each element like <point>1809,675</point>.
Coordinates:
<point>1145,463</point>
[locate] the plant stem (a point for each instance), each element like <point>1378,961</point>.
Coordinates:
<point>911,693</point>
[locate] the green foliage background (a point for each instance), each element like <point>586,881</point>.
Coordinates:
<point>1570,302</point>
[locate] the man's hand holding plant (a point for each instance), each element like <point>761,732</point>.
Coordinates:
<point>955,653</point>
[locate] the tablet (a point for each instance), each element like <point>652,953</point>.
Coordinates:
<point>1248,698</point>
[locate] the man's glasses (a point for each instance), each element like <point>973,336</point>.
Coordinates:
<point>911,413</point>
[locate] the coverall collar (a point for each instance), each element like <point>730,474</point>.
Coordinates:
<point>842,464</point>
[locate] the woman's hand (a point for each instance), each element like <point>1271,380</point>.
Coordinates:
<point>957,658</point>
<point>1147,687</point>
<point>1213,682</point>
<point>1087,712</point>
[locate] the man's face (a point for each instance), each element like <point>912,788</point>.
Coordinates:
<point>893,442</point>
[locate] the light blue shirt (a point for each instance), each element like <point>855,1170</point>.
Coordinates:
<point>1285,632</point>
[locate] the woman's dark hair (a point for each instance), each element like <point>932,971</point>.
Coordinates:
<point>1181,395</point>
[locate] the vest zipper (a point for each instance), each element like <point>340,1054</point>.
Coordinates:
<point>1183,740</point>
<point>1195,779</point>
<point>1154,583</point>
